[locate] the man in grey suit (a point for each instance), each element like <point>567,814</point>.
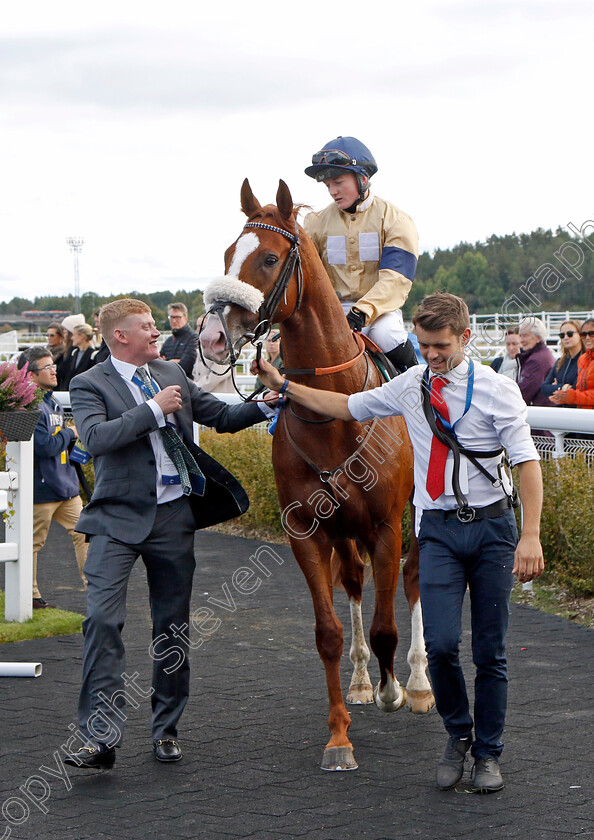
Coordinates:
<point>133,412</point>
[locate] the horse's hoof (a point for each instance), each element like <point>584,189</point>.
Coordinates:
<point>420,702</point>
<point>339,758</point>
<point>360,694</point>
<point>389,705</point>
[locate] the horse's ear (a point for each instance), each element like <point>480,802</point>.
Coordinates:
<point>284,201</point>
<point>249,202</point>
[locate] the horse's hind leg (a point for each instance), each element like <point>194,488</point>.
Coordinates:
<point>419,696</point>
<point>352,571</point>
<point>313,556</point>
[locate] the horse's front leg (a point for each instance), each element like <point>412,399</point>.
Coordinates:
<point>389,695</point>
<point>351,570</point>
<point>313,556</point>
<point>419,697</point>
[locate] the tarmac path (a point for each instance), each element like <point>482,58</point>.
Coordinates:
<point>254,729</point>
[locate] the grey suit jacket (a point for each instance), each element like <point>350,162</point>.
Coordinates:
<point>115,430</point>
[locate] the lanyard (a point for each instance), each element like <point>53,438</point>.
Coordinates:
<point>148,394</point>
<point>469,389</point>
<point>144,388</point>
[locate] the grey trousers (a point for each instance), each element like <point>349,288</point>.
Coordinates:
<point>168,554</point>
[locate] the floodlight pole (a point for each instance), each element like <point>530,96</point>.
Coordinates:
<point>76,243</point>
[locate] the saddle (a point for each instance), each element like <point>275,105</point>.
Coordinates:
<point>379,359</point>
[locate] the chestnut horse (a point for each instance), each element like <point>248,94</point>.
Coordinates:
<point>342,486</point>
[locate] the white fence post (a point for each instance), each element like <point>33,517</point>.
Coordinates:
<point>17,551</point>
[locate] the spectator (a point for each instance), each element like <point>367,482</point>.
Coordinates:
<point>55,340</point>
<point>96,331</point>
<point>102,353</point>
<point>182,344</point>
<point>508,365</point>
<point>65,361</point>
<point>535,359</point>
<point>55,482</point>
<point>583,393</point>
<point>81,358</point>
<point>563,374</point>
<point>211,377</point>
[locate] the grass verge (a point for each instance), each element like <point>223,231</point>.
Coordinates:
<point>555,600</point>
<point>44,623</point>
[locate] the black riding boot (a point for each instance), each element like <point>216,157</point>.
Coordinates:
<point>403,356</point>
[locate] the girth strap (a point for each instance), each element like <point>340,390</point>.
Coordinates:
<point>326,475</point>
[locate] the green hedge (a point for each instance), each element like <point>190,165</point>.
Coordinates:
<point>567,523</point>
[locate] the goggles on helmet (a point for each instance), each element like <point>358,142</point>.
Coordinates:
<point>333,157</point>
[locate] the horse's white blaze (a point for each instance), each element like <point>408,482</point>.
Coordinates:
<point>246,245</point>
<point>359,652</point>
<point>417,657</point>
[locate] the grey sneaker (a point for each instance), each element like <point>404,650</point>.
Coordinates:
<point>486,775</point>
<point>450,768</point>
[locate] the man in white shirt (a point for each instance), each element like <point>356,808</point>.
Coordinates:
<point>465,523</point>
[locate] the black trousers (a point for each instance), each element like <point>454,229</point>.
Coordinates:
<point>168,554</point>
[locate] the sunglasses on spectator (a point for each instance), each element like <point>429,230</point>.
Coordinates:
<point>333,157</point>
<point>587,334</point>
<point>569,334</point>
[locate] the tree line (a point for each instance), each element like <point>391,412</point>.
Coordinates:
<point>485,274</point>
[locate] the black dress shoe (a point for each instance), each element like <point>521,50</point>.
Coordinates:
<point>42,604</point>
<point>166,749</point>
<point>93,758</point>
<point>486,775</point>
<point>450,768</point>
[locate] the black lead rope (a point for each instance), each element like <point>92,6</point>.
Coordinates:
<point>260,388</point>
<point>465,513</point>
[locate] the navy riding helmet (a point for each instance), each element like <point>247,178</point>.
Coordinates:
<point>340,154</point>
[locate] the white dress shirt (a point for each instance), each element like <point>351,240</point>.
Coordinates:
<point>496,417</point>
<point>165,492</point>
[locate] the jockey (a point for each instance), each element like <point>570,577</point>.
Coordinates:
<point>368,246</point>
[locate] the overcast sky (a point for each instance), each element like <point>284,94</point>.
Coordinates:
<point>133,124</point>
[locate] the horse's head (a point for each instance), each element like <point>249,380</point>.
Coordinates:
<point>257,289</point>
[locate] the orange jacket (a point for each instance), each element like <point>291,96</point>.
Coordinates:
<point>583,394</point>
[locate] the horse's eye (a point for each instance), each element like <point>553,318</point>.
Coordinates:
<point>271,260</point>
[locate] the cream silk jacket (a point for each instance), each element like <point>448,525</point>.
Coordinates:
<point>370,255</point>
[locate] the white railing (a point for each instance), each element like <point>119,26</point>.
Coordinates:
<point>560,422</point>
<point>489,331</point>
<point>9,345</point>
<point>16,498</point>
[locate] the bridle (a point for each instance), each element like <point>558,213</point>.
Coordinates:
<point>279,290</point>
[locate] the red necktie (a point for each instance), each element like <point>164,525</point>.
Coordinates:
<point>439,451</point>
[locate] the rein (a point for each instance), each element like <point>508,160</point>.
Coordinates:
<point>335,368</point>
